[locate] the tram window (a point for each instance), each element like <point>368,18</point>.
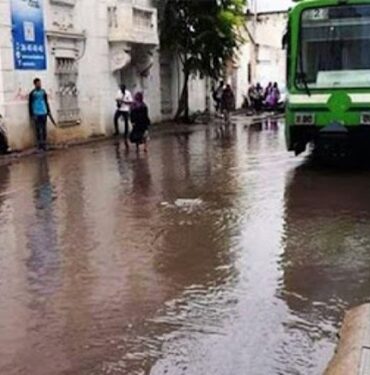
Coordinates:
<point>335,46</point>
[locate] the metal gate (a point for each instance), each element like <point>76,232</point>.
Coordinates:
<point>67,73</point>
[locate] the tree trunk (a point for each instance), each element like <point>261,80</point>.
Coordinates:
<point>184,99</point>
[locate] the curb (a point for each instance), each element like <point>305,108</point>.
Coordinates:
<point>353,353</point>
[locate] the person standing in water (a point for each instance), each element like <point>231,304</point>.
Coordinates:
<point>124,101</point>
<point>39,110</point>
<point>141,122</point>
<point>227,103</point>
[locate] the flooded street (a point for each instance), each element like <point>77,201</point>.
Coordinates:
<point>220,255</point>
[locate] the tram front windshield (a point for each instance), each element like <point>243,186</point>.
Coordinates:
<point>334,49</point>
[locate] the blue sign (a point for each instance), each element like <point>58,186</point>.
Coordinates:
<point>28,35</point>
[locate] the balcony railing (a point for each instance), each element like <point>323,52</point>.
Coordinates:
<point>129,22</point>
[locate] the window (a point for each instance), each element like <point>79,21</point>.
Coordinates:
<point>335,47</point>
<point>67,74</point>
<point>142,19</point>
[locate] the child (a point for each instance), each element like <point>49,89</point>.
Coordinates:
<point>140,121</point>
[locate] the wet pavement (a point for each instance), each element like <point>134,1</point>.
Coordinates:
<point>216,254</point>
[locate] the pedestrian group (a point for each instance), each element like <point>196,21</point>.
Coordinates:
<point>129,109</point>
<point>260,98</point>
<point>134,110</point>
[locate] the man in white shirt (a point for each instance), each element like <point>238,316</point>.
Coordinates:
<point>124,100</point>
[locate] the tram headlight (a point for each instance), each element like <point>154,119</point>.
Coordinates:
<point>365,118</point>
<point>304,119</point>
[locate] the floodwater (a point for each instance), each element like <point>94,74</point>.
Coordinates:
<point>217,254</point>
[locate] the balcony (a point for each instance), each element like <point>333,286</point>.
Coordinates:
<point>133,23</point>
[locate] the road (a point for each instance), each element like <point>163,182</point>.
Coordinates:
<point>215,254</point>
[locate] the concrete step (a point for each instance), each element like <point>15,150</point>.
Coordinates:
<point>353,352</point>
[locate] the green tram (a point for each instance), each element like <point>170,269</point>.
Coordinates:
<point>328,75</point>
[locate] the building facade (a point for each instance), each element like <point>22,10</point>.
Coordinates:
<point>261,58</point>
<point>267,56</point>
<point>90,48</point>
<point>84,49</point>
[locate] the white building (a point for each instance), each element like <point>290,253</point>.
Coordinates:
<point>91,47</point>
<point>268,58</point>
<point>240,70</point>
<point>261,58</point>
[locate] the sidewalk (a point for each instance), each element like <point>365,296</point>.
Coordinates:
<point>157,130</point>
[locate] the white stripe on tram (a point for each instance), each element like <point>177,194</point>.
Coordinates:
<point>305,99</point>
<point>360,98</point>
<point>323,98</point>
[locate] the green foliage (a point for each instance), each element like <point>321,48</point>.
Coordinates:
<point>203,33</point>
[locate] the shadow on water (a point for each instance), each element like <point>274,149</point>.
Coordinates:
<point>191,254</point>
<point>4,183</point>
<point>226,134</point>
<point>43,263</point>
<point>326,261</point>
<point>209,255</point>
<point>349,160</point>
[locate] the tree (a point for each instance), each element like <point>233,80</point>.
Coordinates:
<point>204,35</point>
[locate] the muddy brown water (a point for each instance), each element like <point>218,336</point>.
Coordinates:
<point>218,254</point>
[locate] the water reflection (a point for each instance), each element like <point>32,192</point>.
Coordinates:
<point>226,134</point>
<point>192,253</point>
<point>141,181</point>
<point>44,260</point>
<point>326,261</point>
<point>208,256</point>
<point>327,217</point>
<point>4,182</point>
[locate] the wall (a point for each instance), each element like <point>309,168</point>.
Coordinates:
<point>81,32</point>
<point>271,58</point>
<point>152,90</point>
<point>12,91</point>
<point>261,57</point>
<point>172,84</point>
<point>197,94</point>
<point>241,72</point>
<point>17,84</point>
<point>95,77</point>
